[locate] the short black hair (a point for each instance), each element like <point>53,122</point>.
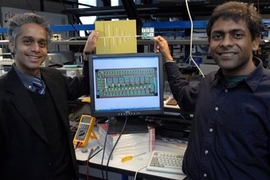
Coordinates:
<point>237,11</point>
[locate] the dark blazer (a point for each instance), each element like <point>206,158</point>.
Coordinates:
<point>24,151</point>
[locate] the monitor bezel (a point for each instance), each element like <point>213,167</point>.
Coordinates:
<point>118,113</point>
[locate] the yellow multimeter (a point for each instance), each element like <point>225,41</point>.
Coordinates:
<point>84,131</point>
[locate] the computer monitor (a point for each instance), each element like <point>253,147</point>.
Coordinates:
<point>126,85</point>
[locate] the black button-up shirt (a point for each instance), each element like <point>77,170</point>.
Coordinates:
<point>230,137</point>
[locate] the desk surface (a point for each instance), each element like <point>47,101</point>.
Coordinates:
<point>130,167</point>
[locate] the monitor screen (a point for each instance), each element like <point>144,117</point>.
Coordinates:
<point>126,84</point>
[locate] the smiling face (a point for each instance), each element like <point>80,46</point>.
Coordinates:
<point>232,47</point>
<point>30,48</point>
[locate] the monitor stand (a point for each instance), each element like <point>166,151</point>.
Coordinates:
<point>133,125</point>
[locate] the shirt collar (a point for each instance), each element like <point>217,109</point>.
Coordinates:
<point>26,79</point>
<point>252,80</point>
<point>255,76</point>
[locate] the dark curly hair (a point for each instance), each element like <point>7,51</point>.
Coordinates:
<point>237,11</point>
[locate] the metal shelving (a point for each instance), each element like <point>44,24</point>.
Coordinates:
<point>139,42</point>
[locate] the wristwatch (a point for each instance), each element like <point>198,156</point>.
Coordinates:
<point>88,52</point>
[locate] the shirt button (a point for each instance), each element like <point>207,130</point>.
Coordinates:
<point>211,130</point>
<point>205,175</point>
<point>226,90</point>
<point>206,152</point>
<point>216,108</point>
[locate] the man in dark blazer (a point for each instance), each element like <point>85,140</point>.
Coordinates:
<point>35,139</point>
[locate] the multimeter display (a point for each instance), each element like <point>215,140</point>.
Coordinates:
<point>86,120</point>
<point>85,127</point>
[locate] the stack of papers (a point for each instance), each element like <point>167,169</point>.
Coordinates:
<point>129,144</point>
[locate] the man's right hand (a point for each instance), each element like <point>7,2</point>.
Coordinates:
<point>161,45</point>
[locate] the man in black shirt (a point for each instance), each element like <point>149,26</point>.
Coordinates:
<point>230,135</point>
